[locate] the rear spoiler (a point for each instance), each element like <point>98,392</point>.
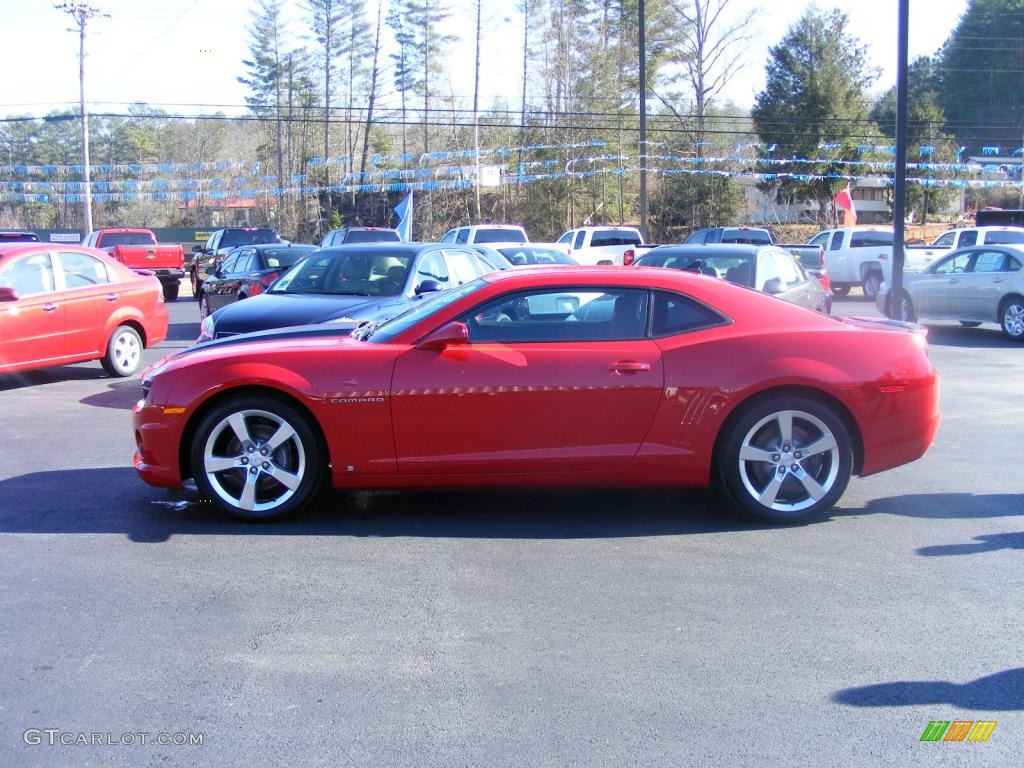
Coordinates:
<point>885,324</point>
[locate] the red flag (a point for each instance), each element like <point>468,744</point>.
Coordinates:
<point>845,201</point>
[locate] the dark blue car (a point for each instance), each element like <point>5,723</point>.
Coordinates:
<point>351,284</point>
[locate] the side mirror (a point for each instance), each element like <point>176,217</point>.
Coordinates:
<point>8,294</point>
<point>197,249</point>
<point>453,333</point>
<point>211,270</point>
<point>428,286</point>
<point>773,286</point>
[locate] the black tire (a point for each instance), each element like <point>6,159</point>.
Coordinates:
<point>906,311</point>
<point>809,483</point>
<point>232,471</point>
<point>969,323</point>
<point>204,306</point>
<point>840,290</point>
<point>197,284</point>
<point>171,291</point>
<point>872,282</point>
<point>1011,317</point>
<point>124,352</point>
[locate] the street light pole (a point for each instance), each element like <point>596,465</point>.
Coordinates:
<point>81,13</point>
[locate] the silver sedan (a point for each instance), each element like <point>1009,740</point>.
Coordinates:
<point>975,285</point>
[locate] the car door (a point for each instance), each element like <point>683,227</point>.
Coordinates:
<point>431,266</point>
<point>552,393</point>
<point>33,325</point>
<point>90,297</point>
<point>216,283</point>
<point>979,291</point>
<point>931,292</point>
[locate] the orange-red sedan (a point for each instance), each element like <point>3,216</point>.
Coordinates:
<point>62,304</point>
<point>589,376</point>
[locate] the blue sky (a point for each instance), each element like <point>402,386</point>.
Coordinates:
<point>185,55</point>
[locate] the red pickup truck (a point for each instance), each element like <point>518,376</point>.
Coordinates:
<point>137,249</point>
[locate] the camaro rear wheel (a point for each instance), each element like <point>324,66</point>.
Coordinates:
<point>1011,317</point>
<point>256,458</point>
<point>786,459</point>
<point>124,352</point>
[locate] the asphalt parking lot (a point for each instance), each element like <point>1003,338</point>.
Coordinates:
<point>527,628</point>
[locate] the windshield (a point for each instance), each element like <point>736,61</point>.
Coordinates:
<point>422,309</point>
<point>127,238</point>
<point>282,258</point>
<point>503,235</point>
<point>737,267</point>
<point>372,236</point>
<point>523,255</point>
<point>233,237</point>
<point>347,274</point>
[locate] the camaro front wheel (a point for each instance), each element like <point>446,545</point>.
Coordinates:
<point>256,458</point>
<point>786,459</point>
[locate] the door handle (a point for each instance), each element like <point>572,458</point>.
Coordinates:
<point>998,280</point>
<point>111,297</point>
<point>49,307</point>
<point>629,366</point>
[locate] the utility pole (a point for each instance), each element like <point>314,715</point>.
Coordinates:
<point>82,13</point>
<point>642,21</point>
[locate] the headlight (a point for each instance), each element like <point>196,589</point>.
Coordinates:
<point>208,326</point>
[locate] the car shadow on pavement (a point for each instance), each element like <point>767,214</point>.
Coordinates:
<point>87,372</point>
<point>183,331</point>
<point>1001,691</point>
<point>992,542</point>
<point>121,394</point>
<point>942,505</point>
<point>976,338</point>
<point>114,500</point>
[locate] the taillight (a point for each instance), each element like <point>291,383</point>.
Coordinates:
<point>821,256</point>
<point>266,280</point>
<point>826,282</point>
<point>628,257</point>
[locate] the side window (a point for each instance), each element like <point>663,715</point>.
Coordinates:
<point>820,239</point>
<point>561,315</point>
<point>956,263</point>
<point>579,239</point>
<point>988,261</point>
<point>462,266</point>
<point>244,263</point>
<point>29,276</point>
<point>837,241</point>
<point>462,236</point>
<point>968,237</point>
<point>82,270</point>
<point>449,236</point>
<point>698,237</point>
<point>228,265</point>
<point>1004,236</point>
<point>1012,265</point>
<point>215,240</point>
<point>945,241</point>
<point>713,236</point>
<point>566,238</point>
<point>787,270</point>
<point>91,239</point>
<point>674,314</point>
<point>767,269</point>
<point>432,267</point>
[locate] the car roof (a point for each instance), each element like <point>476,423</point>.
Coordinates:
<point>410,249</point>
<point>716,249</point>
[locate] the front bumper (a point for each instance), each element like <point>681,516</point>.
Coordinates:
<point>157,437</point>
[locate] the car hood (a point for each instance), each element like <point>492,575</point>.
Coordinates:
<point>280,310</point>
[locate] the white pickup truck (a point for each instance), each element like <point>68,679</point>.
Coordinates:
<point>604,245</point>
<point>854,257</point>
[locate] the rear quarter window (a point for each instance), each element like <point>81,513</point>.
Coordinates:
<point>674,314</point>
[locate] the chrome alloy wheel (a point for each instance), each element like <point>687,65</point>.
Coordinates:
<point>254,461</point>
<point>788,461</point>
<point>1013,319</point>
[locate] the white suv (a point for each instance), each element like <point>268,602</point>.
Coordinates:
<point>486,233</point>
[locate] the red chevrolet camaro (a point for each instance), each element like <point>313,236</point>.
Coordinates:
<point>62,304</point>
<point>596,376</point>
